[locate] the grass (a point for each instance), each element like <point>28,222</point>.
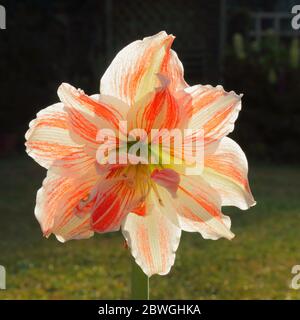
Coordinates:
<point>255,265</point>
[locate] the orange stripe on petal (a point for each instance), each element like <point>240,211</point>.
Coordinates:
<point>226,170</point>
<point>153,239</point>
<point>144,246</point>
<point>212,109</point>
<point>132,73</point>
<point>56,204</point>
<point>209,207</point>
<point>198,207</point>
<point>49,141</point>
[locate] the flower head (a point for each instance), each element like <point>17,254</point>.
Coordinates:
<point>151,201</point>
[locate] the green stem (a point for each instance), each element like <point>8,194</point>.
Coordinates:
<point>139,283</point>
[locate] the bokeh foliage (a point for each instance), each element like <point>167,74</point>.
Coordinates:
<point>267,72</point>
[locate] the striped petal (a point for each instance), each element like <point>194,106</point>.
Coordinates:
<point>49,141</point>
<point>132,73</point>
<point>173,70</point>
<point>226,170</point>
<point>156,110</point>
<point>88,114</point>
<point>56,205</point>
<point>198,206</point>
<point>117,195</point>
<point>153,239</point>
<point>213,110</point>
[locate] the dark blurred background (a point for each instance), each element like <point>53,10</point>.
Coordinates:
<point>248,46</point>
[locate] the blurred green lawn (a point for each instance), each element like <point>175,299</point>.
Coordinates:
<point>255,265</point>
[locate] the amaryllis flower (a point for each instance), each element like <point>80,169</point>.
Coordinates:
<point>152,204</point>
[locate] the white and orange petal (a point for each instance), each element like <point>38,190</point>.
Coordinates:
<point>49,143</point>
<point>112,203</point>
<point>120,192</point>
<point>199,209</point>
<point>226,170</point>
<point>56,205</point>
<point>212,109</point>
<point>133,72</point>
<point>173,70</point>
<point>157,109</point>
<point>153,239</point>
<point>88,114</point>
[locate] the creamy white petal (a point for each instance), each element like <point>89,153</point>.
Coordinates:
<point>133,72</point>
<point>153,240</point>
<point>226,170</point>
<point>214,110</point>
<point>49,142</point>
<point>199,209</point>
<point>56,205</point>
